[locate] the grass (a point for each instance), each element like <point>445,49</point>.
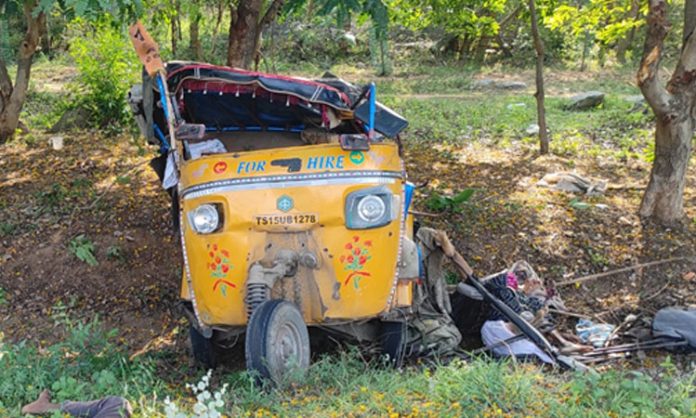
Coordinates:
<point>503,118</point>
<point>87,364</point>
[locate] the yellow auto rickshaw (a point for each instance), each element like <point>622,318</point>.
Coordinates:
<point>291,201</point>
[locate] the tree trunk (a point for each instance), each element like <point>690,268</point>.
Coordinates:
<point>245,31</point>
<point>241,45</point>
<point>675,113</point>
<point>663,198</point>
<point>585,51</point>
<point>12,97</point>
<point>45,35</point>
<point>175,27</point>
<point>194,30</point>
<point>541,109</point>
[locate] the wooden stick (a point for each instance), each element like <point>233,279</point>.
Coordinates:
<point>573,314</point>
<point>621,270</point>
<point>419,213</point>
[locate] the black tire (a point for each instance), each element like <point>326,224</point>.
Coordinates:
<point>204,350</point>
<point>393,338</point>
<point>277,341</point>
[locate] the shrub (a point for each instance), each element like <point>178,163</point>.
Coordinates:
<point>107,67</point>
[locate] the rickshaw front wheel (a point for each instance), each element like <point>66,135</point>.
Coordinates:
<point>204,350</point>
<point>277,341</point>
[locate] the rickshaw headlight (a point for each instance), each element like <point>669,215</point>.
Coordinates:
<point>369,208</point>
<point>204,219</point>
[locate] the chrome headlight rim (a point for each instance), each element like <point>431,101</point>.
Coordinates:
<point>353,219</point>
<point>370,208</point>
<point>205,218</point>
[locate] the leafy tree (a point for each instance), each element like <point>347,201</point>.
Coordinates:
<point>33,12</point>
<point>469,25</point>
<point>674,106</point>
<point>377,11</point>
<point>608,23</point>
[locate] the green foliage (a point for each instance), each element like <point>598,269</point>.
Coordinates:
<point>83,249</point>
<point>7,229</point>
<point>470,19</point>
<point>439,203</point>
<point>576,203</point>
<point>115,252</point>
<point>377,11</point>
<point>107,67</point>
<point>51,199</point>
<point>85,365</point>
<point>3,296</point>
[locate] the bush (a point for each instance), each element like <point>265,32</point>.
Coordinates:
<point>107,67</point>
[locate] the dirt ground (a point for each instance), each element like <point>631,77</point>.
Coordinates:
<point>103,189</point>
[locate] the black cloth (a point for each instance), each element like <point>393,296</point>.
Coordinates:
<point>498,287</point>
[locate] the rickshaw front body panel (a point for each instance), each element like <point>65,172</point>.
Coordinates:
<point>292,198</point>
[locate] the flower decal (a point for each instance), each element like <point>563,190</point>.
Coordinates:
<point>354,259</point>
<point>219,266</point>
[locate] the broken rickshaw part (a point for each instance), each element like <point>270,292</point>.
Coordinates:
<point>523,325</point>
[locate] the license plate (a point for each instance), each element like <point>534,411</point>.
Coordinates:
<point>289,219</point>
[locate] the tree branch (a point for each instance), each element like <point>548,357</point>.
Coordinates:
<point>689,19</point>
<point>684,77</point>
<point>271,13</point>
<point>658,26</point>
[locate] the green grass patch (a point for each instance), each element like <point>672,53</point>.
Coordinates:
<point>502,118</point>
<point>86,364</point>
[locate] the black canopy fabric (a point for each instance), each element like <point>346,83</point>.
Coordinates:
<point>307,90</point>
<point>231,98</point>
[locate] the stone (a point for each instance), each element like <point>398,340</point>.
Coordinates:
<point>511,85</point>
<point>485,83</point>
<point>76,118</point>
<point>489,83</point>
<point>585,101</point>
<point>532,129</point>
<point>638,102</point>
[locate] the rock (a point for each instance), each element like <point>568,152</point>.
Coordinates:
<point>637,99</point>
<point>532,129</point>
<point>638,102</point>
<point>488,83</point>
<point>511,85</point>
<point>585,101</point>
<point>485,83</point>
<point>72,119</point>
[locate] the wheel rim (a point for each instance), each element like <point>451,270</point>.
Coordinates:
<point>287,345</point>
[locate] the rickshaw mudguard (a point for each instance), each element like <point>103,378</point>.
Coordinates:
<point>292,199</point>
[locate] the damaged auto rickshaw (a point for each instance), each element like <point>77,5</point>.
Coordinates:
<point>292,204</point>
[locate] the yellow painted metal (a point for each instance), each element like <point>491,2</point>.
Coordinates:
<point>404,293</point>
<point>262,213</point>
